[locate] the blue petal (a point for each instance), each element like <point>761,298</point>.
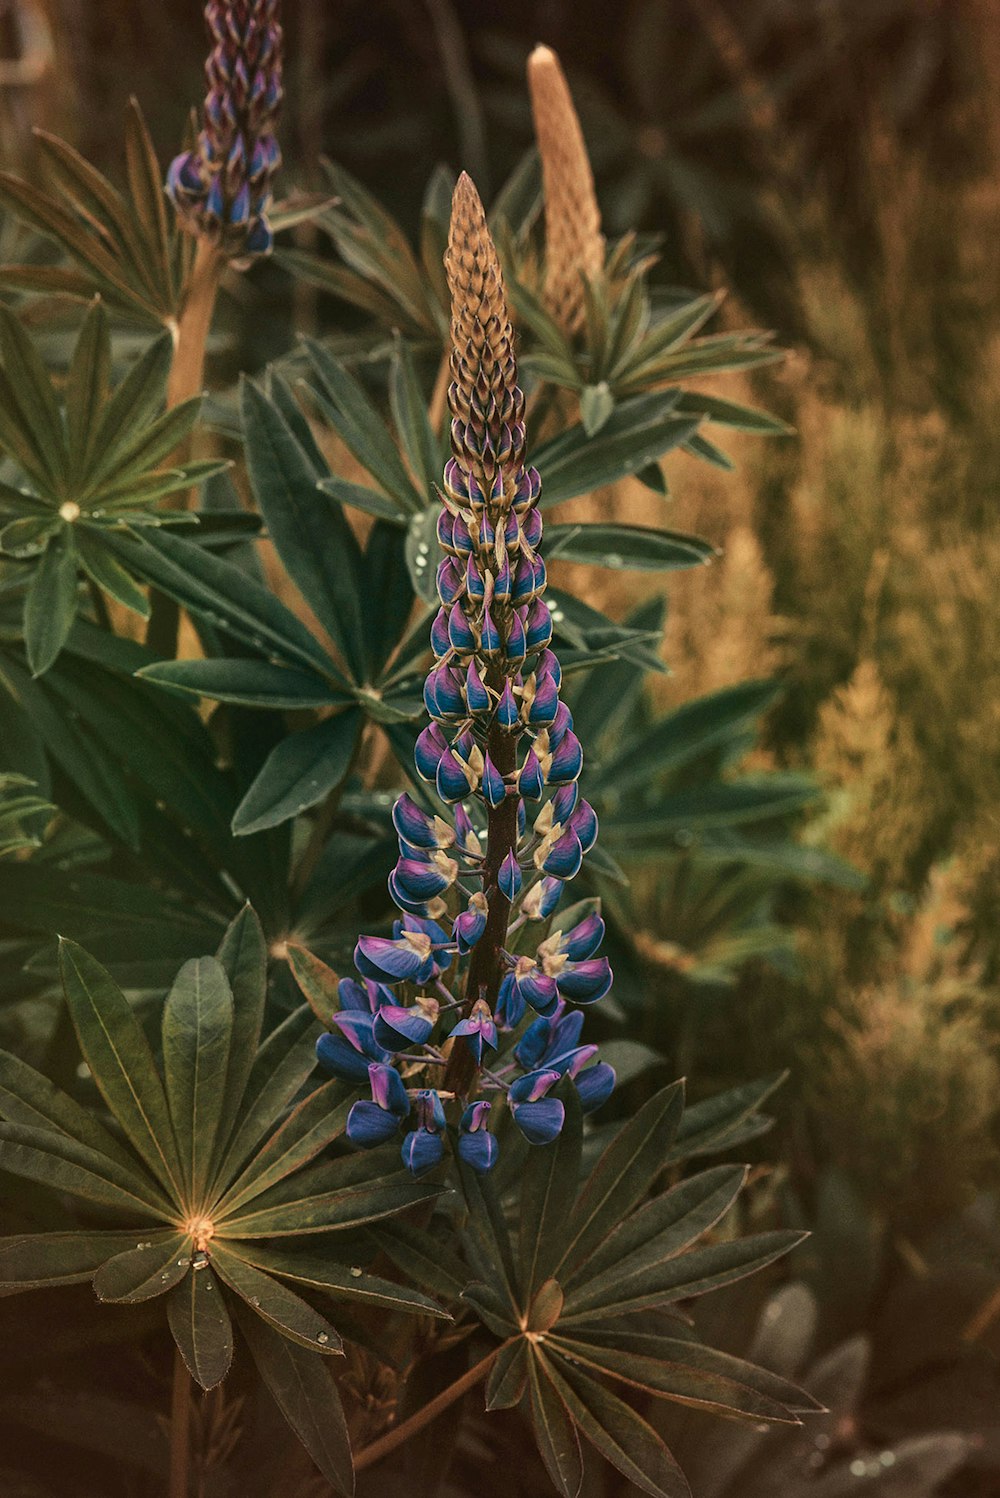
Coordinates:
<point>595,1086</point>
<point>369,1125</point>
<point>478,1150</point>
<point>397,1027</point>
<point>335,1055</point>
<point>539,1122</point>
<point>422,1150</point>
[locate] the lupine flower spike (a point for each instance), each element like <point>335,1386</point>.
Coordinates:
<point>574,244</point>
<point>222,188</point>
<point>476,979</point>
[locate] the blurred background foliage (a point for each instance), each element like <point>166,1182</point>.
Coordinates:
<point>835,164</point>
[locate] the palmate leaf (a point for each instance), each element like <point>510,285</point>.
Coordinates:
<point>564,1308</point>
<point>213,1172</point>
<point>121,247</point>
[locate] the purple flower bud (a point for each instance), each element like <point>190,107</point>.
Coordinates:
<point>530,781</point>
<point>507,710</point>
<point>545,704</point>
<point>451,780</point>
<point>477,1147</point>
<point>476,696</point>
<point>470,924</point>
<point>407,959</point>
<point>567,761</point>
<point>422,1149</point>
<point>440,642</point>
<point>479,1030</point>
<point>494,789</point>
<point>427,752</point>
<point>490,639</point>
<point>509,878</point>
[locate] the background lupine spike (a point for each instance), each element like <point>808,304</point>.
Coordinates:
<point>221,188</point>
<point>574,244</point>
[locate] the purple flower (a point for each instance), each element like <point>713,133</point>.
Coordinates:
<point>371,1123</point>
<point>476,1145</point>
<point>423,1147</point>
<point>479,1030</point>
<point>539,1118</point>
<point>222,188</point>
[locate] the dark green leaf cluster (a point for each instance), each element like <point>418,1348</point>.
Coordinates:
<point>121,246</point>
<point>578,1283</point>
<point>93,463</point>
<point>212,1180</point>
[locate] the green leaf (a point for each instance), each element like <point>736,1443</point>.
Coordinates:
<point>34,398</point>
<point>307,1396</point>
<point>318,983</point>
<point>280,1067</point>
<point>624,1174</point>
<point>319,1272</point>
<point>108,573</point>
<point>715,1123</point>
<point>317,1121</point>
<point>660,1230</point>
<point>636,434</point>
<point>200,1324</point>
<point>423,1258</point>
<point>243,955</point>
<point>409,411</point>
<point>548,1190</point>
<point>223,595</point>
<point>118,1054</point>
<point>596,405</point>
<point>280,1307</point>
<point>197,1030</point>
<point>132,407</point>
<point>642,547</point>
<point>299,771</point>
<point>728,414</point>
<point>29,535</point>
<point>147,199</point>
<point>315,542</point>
<point>63,1164</point>
<point>619,1434</point>
<point>753,798</point>
<point>361,427</point>
<point>422,554</point>
<point>347,1207</point>
<point>147,1269</point>
<point>87,383</point>
<point>50,606</point>
<point>679,1371</point>
<point>248,683</point>
<point>130,457</point>
<point>555,1433</point>
<point>509,1376</point>
<point>368,500</point>
<point>28,1097</point>
<point>688,733</point>
<point>679,1278</point>
<point>30,1260</point>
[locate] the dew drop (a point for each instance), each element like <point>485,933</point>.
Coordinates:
<point>357,1273</point>
<point>887,1459</point>
<point>323,1337</point>
<point>255,1300</point>
<point>859,1468</point>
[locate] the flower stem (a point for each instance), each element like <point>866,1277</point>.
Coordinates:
<point>486,965</point>
<point>402,1433</point>
<point>187,372</point>
<point>180,1429</point>
<point>186,378</point>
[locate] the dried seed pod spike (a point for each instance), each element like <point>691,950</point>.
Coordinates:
<point>574,244</point>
